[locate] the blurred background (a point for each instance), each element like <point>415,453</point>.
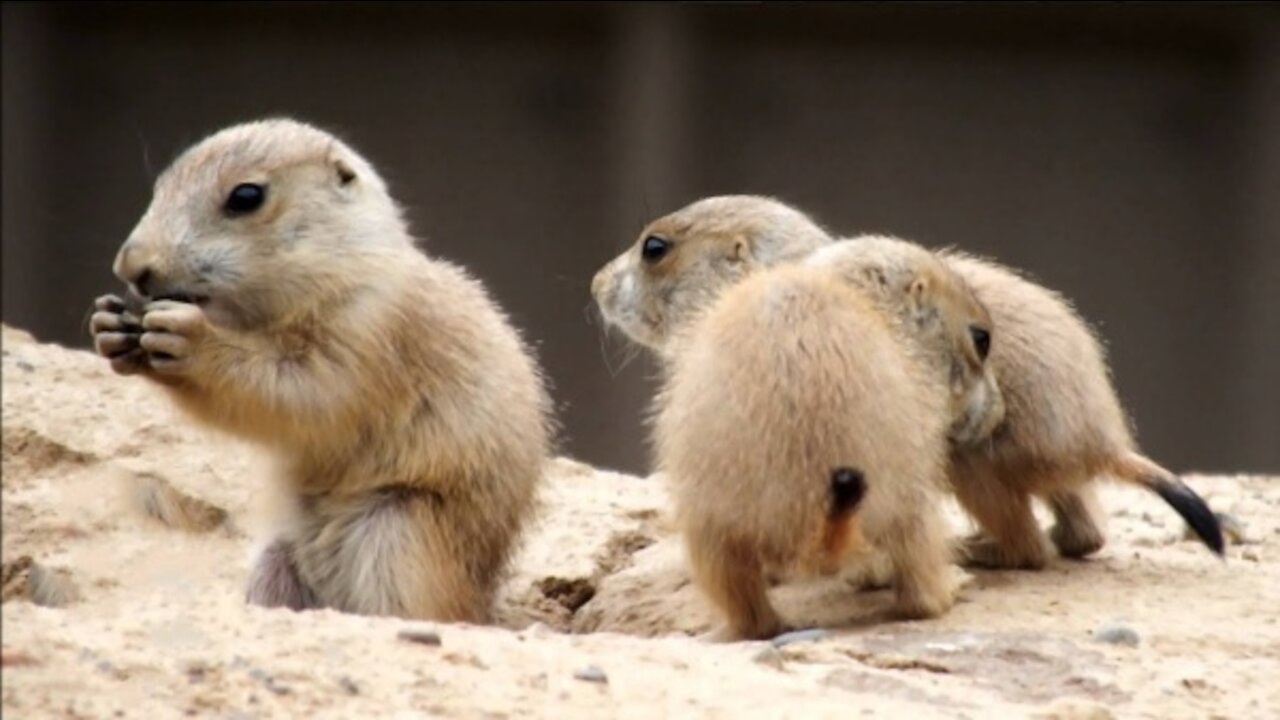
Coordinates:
<point>1127,155</point>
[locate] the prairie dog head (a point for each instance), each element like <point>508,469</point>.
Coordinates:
<point>258,221</point>
<point>682,261</point>
<point>941,312</point>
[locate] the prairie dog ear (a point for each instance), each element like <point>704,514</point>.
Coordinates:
<point>741,250</point>
<point>343,171</point>
<point>918,295</point>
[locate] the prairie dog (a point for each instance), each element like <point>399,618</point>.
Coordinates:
<point>288,304</point>
<point>1064,426</point>
<point>940,314</point>
<point>795,427</point>
<point>682,260</point>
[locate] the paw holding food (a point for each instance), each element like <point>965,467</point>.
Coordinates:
<point>137,334</point>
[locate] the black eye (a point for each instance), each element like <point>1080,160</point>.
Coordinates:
<point>245,198</point>
<point>654,248</point>
<point>847,488</point>
<point>981,341</point>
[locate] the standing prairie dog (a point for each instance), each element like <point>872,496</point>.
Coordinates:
<point>1064,426</point>
<point>795,426</point>
<point>288,304</point>
<point>683,261</point>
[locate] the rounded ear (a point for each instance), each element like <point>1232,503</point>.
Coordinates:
<point>344,172</point>
<point>741,251</point>
<point>918,294</point>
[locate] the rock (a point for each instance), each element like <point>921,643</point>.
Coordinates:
<point>797,636</point>
<point>421,637</point>
<point>770,657</point>
<point>591,673</point>
<point>1117,634</point>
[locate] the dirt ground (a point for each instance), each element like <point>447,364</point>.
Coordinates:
<point>108,613</point>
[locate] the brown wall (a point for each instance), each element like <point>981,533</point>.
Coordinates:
<point>1128,155</point>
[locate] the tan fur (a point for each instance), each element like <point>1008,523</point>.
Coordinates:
<point>1046,382</point>
<point>715,241</point>
<point>408,417</point>
<point>1064,426</point>
<point>939,312</point>
<point>749,433</point>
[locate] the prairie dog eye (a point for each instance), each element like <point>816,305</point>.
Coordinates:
<point>245,198</point>
<point>981,341</point>
<point>847,488</point>
<point>654,248</point>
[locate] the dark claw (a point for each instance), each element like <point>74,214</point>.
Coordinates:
<point>130,363</point>
<point>109,303</point>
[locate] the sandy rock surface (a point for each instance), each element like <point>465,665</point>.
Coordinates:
<point>109,613</point>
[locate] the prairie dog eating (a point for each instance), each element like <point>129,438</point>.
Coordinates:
<point>287,303</point>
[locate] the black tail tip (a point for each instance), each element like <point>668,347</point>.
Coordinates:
<point>847,489</point>
<point>1193,509</point>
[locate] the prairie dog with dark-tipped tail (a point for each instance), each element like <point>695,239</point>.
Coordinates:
<point>1061,416</point>
<point>1064,426</point>
<point>289,305</point>
<point>795,427</point>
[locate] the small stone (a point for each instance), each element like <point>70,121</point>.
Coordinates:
<point>1117,634</point>
<point>770,657</point>
<point>268,681</point>
<point>421,637</point>
<point>591,673</point>
<point>1251,555</point>
<point>797,636</point>
<point>1234,529</point>
<point>25,366</point>
<point>349,685</point>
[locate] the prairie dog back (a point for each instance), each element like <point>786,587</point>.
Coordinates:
<point>940,315</point>
<point>787,392</point>
<point>1064,426</point>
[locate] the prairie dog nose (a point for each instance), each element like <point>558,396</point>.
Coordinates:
<point>134,268</point>
<point>597,283</point>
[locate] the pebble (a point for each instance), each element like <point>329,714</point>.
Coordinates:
<point>797,636</point>
<point>591,673</point>
<point>268,681</point>
<point>1116,634</point>
<point>770,657</point>
<point>349,685</point>
<point>421,637</point>
<point>1232,529</point>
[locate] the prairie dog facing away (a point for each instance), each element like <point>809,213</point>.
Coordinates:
<point>794,427</point>
<point>682,260</point>
<point>1064,426</point>
<point>940,314</point>
<point>288,304</point>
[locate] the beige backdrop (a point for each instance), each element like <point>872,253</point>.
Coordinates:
<point>1128,155</point>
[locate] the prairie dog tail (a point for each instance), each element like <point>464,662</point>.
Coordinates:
<point>1139,470</point>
